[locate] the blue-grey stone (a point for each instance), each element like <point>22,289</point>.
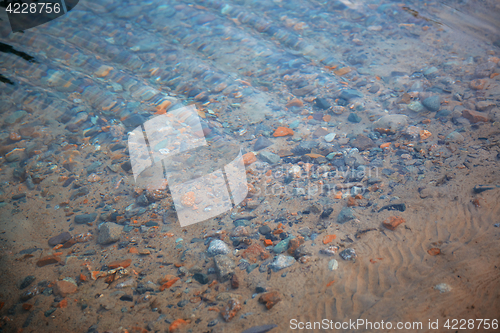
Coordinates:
<point>304,147</point>
<point>432,103</point>
<point>350,94</point>
<point>431,72</point>
<point>85,218</point>
<point>442,113</point>
<point>15,117</point>
<point>346,214</point>
<point>294,124</point>
<point>269,157</point>
<point>283,245</point>
<point>354,118</point>
<point>261,143</point>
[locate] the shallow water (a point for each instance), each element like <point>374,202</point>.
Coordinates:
<point>290,131</point>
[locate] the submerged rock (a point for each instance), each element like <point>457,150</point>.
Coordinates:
<point>217,247</point>
<point>281,261</point>
<point>109,232</point>
<point>224,266</point>
<point>345,215</point>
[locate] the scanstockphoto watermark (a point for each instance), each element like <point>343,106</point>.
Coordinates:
<point>293,180</point>
<point>359,324</point>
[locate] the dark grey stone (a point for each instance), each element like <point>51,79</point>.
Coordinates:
<point>261,143</point>
<point>354,118</point>
<point>345,215</point>
<point>264,230</point>
<point>304,147</point>
<point>85,218</point>
<point>60,239</point>
<point>322,103</point>
<point>350,94</point>
<point>432,103</point>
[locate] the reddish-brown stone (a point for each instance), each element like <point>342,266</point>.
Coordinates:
<point>294,244</point>
<point>475,116</point>
<point>254,252</point>
<point>434,251</point>
<point>48,260</point>
<point>235,282</point>
<point>64,288</point>
<point>270,299</point>
<point>392,222</point>
<point>120,263</point>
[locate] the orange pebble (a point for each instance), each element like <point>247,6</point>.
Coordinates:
<point>330,283</point>
<point>249,158</point>
<point>177,324</point>
<point>295,102</point>
<point>133,250</point>
<point>63,303</point>
<point>385,145</point>
<point>169,284</point>
<point>282,131</point>
<point>338,195</point>
<point>82,277</point>
<point>328,239</point>
<point>268,242</point>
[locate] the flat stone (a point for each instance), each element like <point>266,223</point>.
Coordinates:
<point>269,157</point>
<point>432,103</point>
<point>362,142</point>
<point>455,137</point>
<point>15,117</point>
<point>48,260</point>
<point>442,113</point>
<point>392,122</point>
<point>319,132</point>
<point>85,218</point>
<point>304,147</point>
<point>475,116</point>
<point>224,267</point>
<point>281,262</point>
<point>322,103</point>
<point>485,105</point>
<point>349,94</point>
<point>60,239</point>
<point>109,232</point>
<point>392,222</point>
<point>261,143</point>
<point>345,215</point>
<point>330,137</point>
<point>354,118</point>
<point>64,288</point>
